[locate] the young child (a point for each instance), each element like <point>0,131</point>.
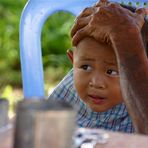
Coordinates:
<point>127,32</point>
<point>96,92</point>
<point>96,89</point>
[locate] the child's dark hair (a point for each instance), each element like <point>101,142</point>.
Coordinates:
<point>144,30</point>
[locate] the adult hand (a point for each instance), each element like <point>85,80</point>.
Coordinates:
<point>105,21</point>
<point>83,19</point>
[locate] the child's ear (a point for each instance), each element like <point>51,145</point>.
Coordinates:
<point>70,55</point>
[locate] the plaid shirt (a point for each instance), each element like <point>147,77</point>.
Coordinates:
<point>115,119</point>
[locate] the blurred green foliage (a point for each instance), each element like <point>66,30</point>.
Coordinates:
<point>9,43</point>
<point>55,40</point>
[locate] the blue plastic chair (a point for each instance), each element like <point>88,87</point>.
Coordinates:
<point>32,20</point>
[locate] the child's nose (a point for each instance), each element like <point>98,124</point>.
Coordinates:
<point>98,81</point>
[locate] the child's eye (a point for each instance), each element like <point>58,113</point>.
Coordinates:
<point>112,72</point>
<point>86,67</point>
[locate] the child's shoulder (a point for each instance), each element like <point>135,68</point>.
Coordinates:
<point>67,81</point>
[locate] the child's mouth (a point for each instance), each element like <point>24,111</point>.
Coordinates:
<point>97,99</point>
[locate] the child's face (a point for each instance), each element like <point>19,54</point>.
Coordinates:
<point>96,76</point>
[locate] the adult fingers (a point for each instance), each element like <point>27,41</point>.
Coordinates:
<point>80,23</point>
<point>101,3</point>
<point>80,34</point>
<point>86,12</point>
<point>82,20</point>
<point>142,11</point>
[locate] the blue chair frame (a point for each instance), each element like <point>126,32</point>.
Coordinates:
<point>32,20</point>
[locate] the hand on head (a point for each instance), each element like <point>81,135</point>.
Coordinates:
<point>105,20</point>
<point>85,16</point>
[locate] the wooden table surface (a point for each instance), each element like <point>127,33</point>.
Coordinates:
<point>120,140</point>
<point>6,136</point>
<point>116,140</point>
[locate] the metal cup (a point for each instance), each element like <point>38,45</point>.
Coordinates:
<point>43,124</point>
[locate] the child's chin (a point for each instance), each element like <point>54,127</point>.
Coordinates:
<point>99,109</point>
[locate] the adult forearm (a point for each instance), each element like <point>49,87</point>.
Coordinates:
<point>133,68</point>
